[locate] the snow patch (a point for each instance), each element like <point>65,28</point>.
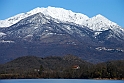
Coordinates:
<point>108,49</point>
<point>3,41</point>
<point>97,33</point>
<point>2,34</point>
<point>35,27</point>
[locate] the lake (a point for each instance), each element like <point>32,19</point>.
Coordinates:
<point>59,81</point>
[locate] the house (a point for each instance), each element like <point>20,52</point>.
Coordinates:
<point>36,70</point>
<point>76,67</point>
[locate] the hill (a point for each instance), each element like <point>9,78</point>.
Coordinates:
<point>60,67</point>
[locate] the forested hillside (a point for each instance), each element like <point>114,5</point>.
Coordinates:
<point>68,66</point>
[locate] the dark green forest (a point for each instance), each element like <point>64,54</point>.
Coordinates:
<point>67,67</point>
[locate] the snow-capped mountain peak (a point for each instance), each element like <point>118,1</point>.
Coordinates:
<point>57,13</point>
<point>101,18</point>
<point>96,23</point>
<point>99,23</point>
<point>12,20</point>
<point>62,14</point>
<point>49,31</point>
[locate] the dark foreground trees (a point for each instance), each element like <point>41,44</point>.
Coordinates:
<point>61,67</point>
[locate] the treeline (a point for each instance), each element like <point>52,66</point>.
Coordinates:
<point>69,67</point>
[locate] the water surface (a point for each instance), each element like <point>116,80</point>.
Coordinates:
<point>59,81</point>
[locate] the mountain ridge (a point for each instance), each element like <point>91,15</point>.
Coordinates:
<point>46,11</point>
<point>60,14</point>
<point>42,35</point>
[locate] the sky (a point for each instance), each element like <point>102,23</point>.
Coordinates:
<point>111,9</point>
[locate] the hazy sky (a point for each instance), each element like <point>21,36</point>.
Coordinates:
<point>111,9</point>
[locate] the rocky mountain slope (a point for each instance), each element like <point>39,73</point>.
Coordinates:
<point>56,31</point>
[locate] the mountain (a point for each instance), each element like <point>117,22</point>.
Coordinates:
<point>57,13</point>
<point>56,31</point>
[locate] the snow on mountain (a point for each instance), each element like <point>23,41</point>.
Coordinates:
<point>57,13</point>
<point>2,34</point>
<point>3,41</point>
<point>100,22</point>
<point>108,49</point>
<point>12,20</point>
<point>48,31</point>
<point>96,23</point>
<point>63,15</point>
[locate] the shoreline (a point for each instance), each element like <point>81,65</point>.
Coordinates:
<point>108,78</point>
